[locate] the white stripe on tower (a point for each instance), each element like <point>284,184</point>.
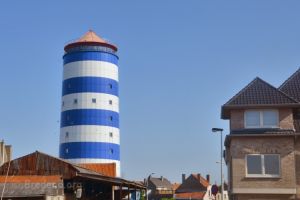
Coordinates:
<point>91,68</point>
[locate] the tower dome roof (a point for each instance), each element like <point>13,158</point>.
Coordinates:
<point>90,38</point>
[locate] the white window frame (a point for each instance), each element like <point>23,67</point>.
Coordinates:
<point>261,123</point>
<point>263,175</point>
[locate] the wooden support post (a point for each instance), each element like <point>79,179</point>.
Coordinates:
<point>128,188</point>
<point>120,191</point>
<point>113,192</point>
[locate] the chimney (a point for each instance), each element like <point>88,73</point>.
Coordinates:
<point>183,178</point>
<point>8,150</point>
<point>199,177</point>
<point>208,178</point>
<point>162,178</point>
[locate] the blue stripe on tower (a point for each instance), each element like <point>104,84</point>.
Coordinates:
<point>100,150</point>
<point>89,117</point>
<point>90,55</point>
<point>90,84</point>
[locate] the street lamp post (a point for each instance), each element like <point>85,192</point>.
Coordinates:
<point>221,159</point>
<point>148,184</point>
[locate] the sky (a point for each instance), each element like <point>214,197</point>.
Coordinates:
<point>180,61</point>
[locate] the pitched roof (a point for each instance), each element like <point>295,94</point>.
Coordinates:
<point>161,183</point>
<point>292,86</point>
<point>258,93</point>
<point>202,180</point>
<point>190,195</point>
<point>175,186</point>
<point>194,183</point>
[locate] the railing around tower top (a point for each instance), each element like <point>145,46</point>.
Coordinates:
<point>91,48</point>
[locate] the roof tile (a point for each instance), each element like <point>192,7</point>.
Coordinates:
<point>292,86</point>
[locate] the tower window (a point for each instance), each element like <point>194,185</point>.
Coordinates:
<point>67,150</point>
<point>94,100</point>
<point>75,101</point>
<point>111,118</point>
<point>111,134</point>
<point>67,134</point>
<point>111,151</point>
<point>110,102</point>
<point>110,86</point>
<point>63,103</point>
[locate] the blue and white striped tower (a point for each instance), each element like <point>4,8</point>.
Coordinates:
<point>89,131</point>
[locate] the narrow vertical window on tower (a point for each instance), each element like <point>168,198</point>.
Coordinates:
<point>94,100</point>
<point>111,118</point>
<point>110,86</point>
<point>111,134</point>
<point>67,134</point>
<point>75,101</point>
<point>110,102</point>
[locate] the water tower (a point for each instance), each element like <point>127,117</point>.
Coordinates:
<point>89,131</point>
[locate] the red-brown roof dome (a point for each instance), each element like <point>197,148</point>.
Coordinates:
<point>90,38</point>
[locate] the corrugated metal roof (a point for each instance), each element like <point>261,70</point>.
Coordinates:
<point>30,179</point>
<point>107,169</point>
<point>31,186</point>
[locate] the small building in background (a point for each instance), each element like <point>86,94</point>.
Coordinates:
<point>194,187</point>
<point>5,152</point>
<point>159,188</point>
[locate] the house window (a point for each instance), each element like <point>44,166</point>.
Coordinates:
<point>263,165</point>
<point>94,100</point>
<point>261,119</point>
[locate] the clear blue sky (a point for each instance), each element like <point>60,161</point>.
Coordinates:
<point>179,62</point>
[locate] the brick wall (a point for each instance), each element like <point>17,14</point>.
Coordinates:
<point>242,146</point>
<point>236,119</point>
<point>285,119</point>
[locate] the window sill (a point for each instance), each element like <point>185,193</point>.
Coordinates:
<point>263,176</point>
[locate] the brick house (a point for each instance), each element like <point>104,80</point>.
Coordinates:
<point>159,188</point>
<point>263,148</point>
<point>193,188</point>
